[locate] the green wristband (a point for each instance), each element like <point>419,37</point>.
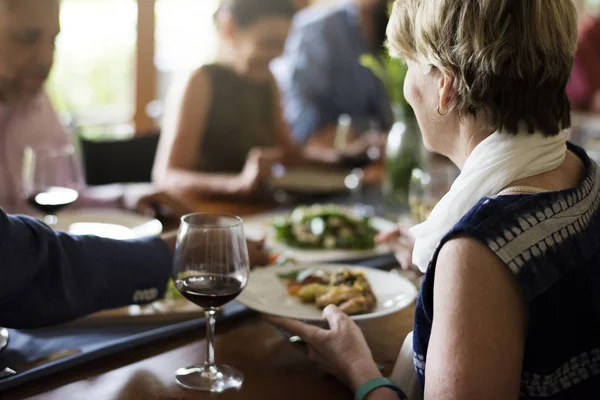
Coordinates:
<point>366,388</point>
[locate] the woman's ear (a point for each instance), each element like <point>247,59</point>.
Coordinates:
<point>446,92</point>
<point>227,26</point>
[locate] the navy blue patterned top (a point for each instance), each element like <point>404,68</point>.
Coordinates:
<point>551,242</point>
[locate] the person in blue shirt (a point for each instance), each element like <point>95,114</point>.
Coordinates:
<point>48,277</point>
<point>320,75</point>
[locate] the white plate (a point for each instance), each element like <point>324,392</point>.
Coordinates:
<point>310,181</point>
<point>268,294</point>
<point>261,226</point>
<point>109,223</point>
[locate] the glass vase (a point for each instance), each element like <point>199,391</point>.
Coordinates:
<point>404,153</point>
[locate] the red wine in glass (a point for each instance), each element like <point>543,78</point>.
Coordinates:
<point>51,178</point>
<point>210,269</point>
<point>210,291</point>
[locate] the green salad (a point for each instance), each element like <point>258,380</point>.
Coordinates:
<point>172,292</point>
<point>325,227</point>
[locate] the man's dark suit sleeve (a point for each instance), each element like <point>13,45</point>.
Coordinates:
<point>49,277</point>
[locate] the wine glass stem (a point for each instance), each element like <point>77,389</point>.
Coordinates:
<point>50,220</point>
<point>357,193</point>
<point>210,339</point>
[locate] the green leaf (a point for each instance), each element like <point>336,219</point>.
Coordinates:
<point>373,63</point>
<point>290,276</point>
<point>391,71</point>
<point>172,292</point>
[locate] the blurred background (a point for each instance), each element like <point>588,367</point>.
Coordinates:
<point>145,47</point>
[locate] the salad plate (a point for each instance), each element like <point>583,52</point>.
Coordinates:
<point>320,233</point>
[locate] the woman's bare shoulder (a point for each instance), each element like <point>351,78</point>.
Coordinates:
<point>474,268</point>
<point>478,336</point>
<point>199,78</point>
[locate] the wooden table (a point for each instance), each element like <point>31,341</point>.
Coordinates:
<point>273,368</point>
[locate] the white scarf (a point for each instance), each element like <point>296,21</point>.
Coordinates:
<point>496,162</point>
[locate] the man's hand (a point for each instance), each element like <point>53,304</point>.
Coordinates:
<point>259,256</point>
<point>257,253</point>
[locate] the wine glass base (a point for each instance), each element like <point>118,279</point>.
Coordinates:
<point>51,220</point>
<point>209,379</point>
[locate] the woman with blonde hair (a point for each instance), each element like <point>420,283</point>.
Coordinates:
<point>510,303</point>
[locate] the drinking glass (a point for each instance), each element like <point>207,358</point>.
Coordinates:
<point>427,188</point>
<point>51,179</point>
<point>210,269</point>
<point>420,197</point>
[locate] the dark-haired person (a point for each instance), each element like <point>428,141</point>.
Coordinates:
<point>224,134</point>
<point>28,29</point>
<point>320,74</point>
<point>510,304</point>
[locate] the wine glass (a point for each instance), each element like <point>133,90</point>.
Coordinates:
<point>345,140</point>
<point>210,269</point>
<point>420,197</point>
<point>427,188</point>
<point>51,179</point>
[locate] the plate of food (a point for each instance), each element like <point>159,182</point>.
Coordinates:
<point>320,233</point>
<point>302,293</point>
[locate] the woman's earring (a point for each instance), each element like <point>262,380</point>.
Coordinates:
<point>440,112</point>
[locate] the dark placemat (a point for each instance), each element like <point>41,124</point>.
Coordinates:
<point>94,342</point>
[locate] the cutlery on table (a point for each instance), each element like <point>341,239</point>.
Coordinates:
<point>55,356</point>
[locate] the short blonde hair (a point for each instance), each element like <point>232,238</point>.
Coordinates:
<point>510,58</point>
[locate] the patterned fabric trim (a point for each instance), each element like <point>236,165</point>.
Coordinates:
<point>575,371</point>
<point>522,190</point>
<point>555,223</point>
<point>419,361</point>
